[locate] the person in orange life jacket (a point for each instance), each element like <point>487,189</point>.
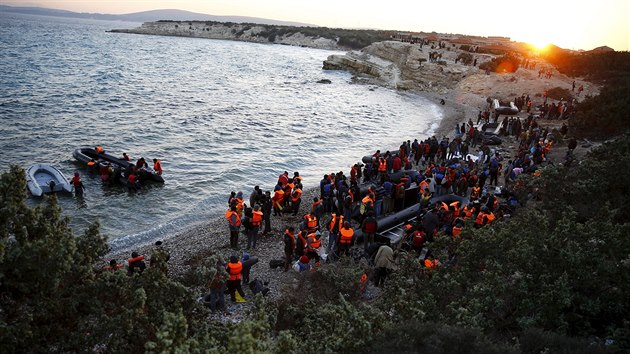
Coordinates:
<point>239,203</point>
<point>246,222</point>
<point>296,200</point>
<point>99,150</point>
<point>310,223</point>
<point>125,157</point>
<point>406,238</point>
<point>132,181</point>
<point>313,245</point>
<point>135,264</point>
<point>455,209</point>
<point>232,196</point>
<point>333,227</point>
<point>382,170</point>
<point>346,235</point>
<point>278,201</point>
<point>256,219</point>
<point>77,184</point>
<point>475,192</point>
<point>113,266</point>
<point>297,179</point>
<point>289,247</point>
<point>431,263</point>
<point>300,243</point>
<point>484,217</point>
<point>157,166</point>
<point>369,228</point>
<point>234,223</point>
<point>234,269</point>
<point>456,231</point>
<point>283,179</point>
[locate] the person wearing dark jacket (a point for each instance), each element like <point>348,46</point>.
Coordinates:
<point>289,247</point>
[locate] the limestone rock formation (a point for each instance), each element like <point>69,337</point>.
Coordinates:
<point>230,31</point>
<point>402,66</point>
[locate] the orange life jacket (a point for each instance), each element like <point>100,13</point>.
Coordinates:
<point>235,270</point>
<point>314,243</point>
<point>424,185</point>
<point>382,165</point>
<point>99,149</point>
<point>431,264</point>
<point>346,235</point>
<point>295,196</point>
<point>367,200</point>
<point>456,232</point>
<point>91,163</point>
<point>331,226</point>
<point>468,211</point>
<point>491,217</point>
<point>456,209</point>
<point>157,166</point>
<point>479,220</point>
<point>311,221</point>
<point>228,215</point>
<point>135,259</point>
<point>257,217</point>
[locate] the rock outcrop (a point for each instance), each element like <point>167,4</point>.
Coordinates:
<point>231,31</point>
<point>402,66</point>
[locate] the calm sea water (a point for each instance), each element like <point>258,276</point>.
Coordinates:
<point>221,115</point>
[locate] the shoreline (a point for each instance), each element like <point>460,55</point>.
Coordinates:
<point>452,113</point>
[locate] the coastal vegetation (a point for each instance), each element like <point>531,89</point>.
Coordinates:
<point>345,38</point>
<point>553,278</point>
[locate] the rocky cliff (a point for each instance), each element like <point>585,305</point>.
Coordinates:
<point>403,66</point>
<point>232,31</point>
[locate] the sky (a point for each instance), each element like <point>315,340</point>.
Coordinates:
<point>570,24</point>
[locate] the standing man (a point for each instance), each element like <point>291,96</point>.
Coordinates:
<point>234,269</point>
<point>289,247</point>
<point>234,223</point>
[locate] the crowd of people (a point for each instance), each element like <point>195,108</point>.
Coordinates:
<point>347,203</point>
<point>347,208</point>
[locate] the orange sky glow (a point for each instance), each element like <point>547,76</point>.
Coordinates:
<point>575,25</point>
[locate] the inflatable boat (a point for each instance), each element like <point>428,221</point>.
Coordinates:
<point>44,178</point>
<point>85,155</point>
<point>390,227</point>
<point>510,110</point>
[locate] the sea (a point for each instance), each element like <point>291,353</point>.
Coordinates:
<point>221,115</point>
